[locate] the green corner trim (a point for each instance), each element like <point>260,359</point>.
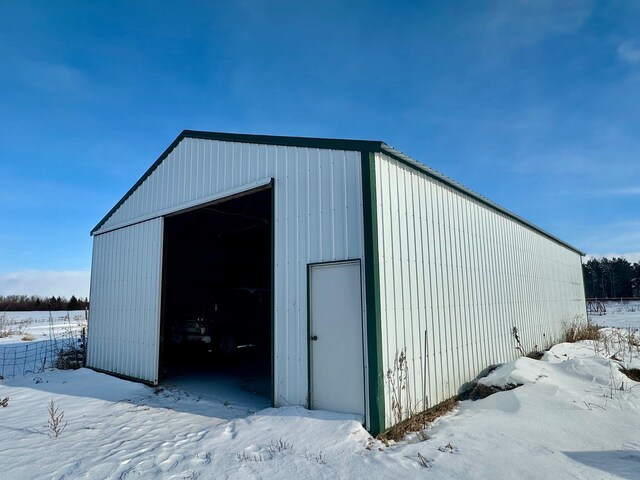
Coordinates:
<point>372,288</point>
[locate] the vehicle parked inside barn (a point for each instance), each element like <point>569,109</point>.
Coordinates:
<point>236,318</point>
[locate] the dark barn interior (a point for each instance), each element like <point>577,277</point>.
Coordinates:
<point>217,302</point>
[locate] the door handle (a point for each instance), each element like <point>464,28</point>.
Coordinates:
<point>314,338</point>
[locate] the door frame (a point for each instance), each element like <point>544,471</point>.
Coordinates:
<point>363,339</point>
<point>163,287</point>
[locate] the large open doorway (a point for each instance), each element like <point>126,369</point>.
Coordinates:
<point>216,328</point>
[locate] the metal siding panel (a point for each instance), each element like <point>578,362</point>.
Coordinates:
<point>467,274</point>
<point>382,229</point>
<point>427,250</point>
<point>124,313</point>
<point>325,206</point>
<point>436,290</point>
<point>409,318</point>
<point>417,288</point>
<point>317,217</point>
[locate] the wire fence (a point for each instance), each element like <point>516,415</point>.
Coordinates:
<point>63,349</point>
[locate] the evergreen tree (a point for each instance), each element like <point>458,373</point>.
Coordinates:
<point>73,303</point>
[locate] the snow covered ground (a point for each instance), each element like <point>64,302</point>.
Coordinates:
<point>29,340</point>
<point>575,416</point>
<point>619,314</point>
<point>40,325</point>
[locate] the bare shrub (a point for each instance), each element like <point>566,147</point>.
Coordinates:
<point>254,457</point>
<point>280,446</point>
<point>8,326</point>
<point>619,345</point>
<point>317,457</point>
<point>398,382</point>
<point>68,358</point>
<point>519,347</point>
<point>536,353</point>
<point>632,338</point>
<point>56,423</point>
<point>70,351</point>
<point>577,331</point>
<point>4,325</point>
<point>22,325</point>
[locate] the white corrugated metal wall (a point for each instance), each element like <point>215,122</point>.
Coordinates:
<point>126,276</point>
<point>317,217</point>
<point>466,275</point>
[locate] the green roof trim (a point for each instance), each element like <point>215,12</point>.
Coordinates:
<point>410,162</point>
<point>303,142</point>
<point>368,146</point>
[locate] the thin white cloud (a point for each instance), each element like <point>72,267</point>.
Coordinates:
<point>48,76</point>
<point>573,160</point>
<point>45,283</point>
<point>599,193</point>
<point>527,22</point>
<point>557,162</point>
<point>54,77</point>
<point>629,51</point>
<point>631,191</point>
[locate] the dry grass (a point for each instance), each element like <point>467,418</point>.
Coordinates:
<point>419,421</point>
<point>8,326</point>
<point>4,325</point>
<point>28,337</point>
<point>577,331</point>
<point>632,338</point>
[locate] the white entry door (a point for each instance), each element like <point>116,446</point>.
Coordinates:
<point>335,337</point>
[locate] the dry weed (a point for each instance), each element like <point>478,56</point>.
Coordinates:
<point>577,331</point>
<point>8,326</point>
<point>56,422</point>
<point>419,421</point>
<point>398,382</point>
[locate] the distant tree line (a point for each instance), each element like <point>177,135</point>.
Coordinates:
<point>611,278</point>
<point>27,303</point>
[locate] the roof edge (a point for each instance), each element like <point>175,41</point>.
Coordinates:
<point>144,176</point>
<point>373,146</point>
<point>303,142</point>
<point>410,162</point>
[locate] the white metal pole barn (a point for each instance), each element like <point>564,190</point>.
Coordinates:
<point>370,254</point>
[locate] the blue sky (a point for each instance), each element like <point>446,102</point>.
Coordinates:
<point>534,104</point>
